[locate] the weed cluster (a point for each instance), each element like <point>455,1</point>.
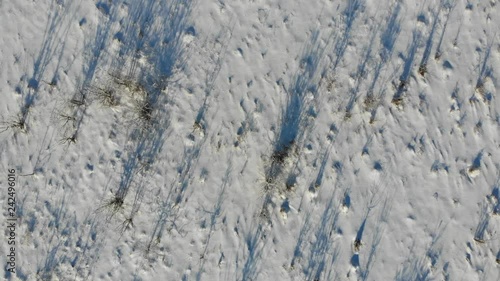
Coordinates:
<point>113,205</point>
<point>281,154</point>
<point>422,69</point>
<point>17,124</point>
<point>107,96</point>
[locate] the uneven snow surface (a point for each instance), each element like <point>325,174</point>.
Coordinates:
<point>251,139</point>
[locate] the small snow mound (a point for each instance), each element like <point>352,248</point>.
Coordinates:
<point>473,172</point>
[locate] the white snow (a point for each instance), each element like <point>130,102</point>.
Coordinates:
<point>155,139</point>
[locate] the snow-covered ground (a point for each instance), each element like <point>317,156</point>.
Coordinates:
<point>251,140</point>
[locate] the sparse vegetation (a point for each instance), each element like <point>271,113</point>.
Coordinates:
<point>398,101</point>
<point>127,224</point>
<point>128,111</point>
<point>107,97</point>
<point>280,155</point>
<point>144,111</point>
<point>482,226</point>
<point>112,206</point>
<point>357,245</point>
<point>71,139</point>
<point>422,69</point>
<point>66,118</point>
<point>370,102</point>
<point>403,85</point>
<point>16,124</point>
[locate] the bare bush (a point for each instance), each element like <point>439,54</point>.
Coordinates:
<point>113,206</point>
<point>422,70</point>
<point>17,124</point>
<point>107,96</point>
